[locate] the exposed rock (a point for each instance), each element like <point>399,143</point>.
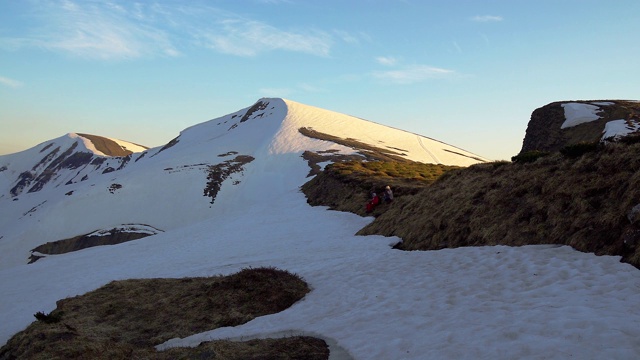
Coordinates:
<point>220,172</point>
<point>113,236</point>
<point>24,180</point>
<point>170,144</point>
<point>107,146</point>
<point>258,106</point>
<point>545,132</point>
<point>114,187</point>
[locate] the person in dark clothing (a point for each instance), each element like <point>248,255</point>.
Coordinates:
<point>388,194</point>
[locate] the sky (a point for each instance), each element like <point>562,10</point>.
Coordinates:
<point>468,73</point>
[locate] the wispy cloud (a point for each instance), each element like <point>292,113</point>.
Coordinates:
<point>352,37</point>
<point>310,88</point>
<point>102,30</point>
<point>457,47</point>
<point>125,30</point>
<point>413,74</point>
<point>487,18</point>
<point>249,38</point>
<point>10,82</point>
<point>386,60</point>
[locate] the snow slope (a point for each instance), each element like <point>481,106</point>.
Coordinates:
<point>540,302</point>
<point>71,189</point>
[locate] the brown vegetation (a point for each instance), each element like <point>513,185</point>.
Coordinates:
<point>347,186</point>
<point>585,200</point>
<point>126,319</point>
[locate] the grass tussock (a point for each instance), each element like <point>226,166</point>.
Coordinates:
<point>126,319</point>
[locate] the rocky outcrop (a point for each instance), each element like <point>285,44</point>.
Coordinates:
<point>548,129</point>
<point>117,235</point>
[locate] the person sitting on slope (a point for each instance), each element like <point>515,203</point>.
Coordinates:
<point>388,194</point>
<point>375,200</point>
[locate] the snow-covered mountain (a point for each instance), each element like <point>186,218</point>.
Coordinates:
<point>72,185</point>
<point>224,195</point>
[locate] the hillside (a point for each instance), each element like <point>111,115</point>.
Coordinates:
<point>589,203</point>
<point>587,196</point>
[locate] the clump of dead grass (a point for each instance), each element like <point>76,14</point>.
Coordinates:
<point>126,319</point>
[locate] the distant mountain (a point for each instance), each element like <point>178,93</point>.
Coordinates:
<point>563,123</point>
<point>78,184</point>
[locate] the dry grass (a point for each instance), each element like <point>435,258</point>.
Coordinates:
<point>126,319</point>
<point>583,202</point>
<point>346,186</point>
<point>582,199</point>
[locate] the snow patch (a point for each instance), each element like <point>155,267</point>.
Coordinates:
<point>579,113</point>
<point>619,128</point>
<point>134,148</point>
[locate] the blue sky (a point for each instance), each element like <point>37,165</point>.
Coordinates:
<point>468,73</point>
